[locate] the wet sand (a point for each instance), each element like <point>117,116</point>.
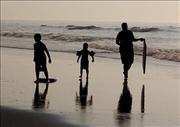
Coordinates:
<point>25,118</point>
<point>105,86</point>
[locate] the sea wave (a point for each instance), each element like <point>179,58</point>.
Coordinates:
<point>74,27</point>
<point>57,37</point>
<point>139,29</point>
<point>163,54</point>
<point>93,27</point>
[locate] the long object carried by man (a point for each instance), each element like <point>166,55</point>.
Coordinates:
<point>144,56</point>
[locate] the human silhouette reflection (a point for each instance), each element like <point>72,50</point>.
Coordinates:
<point>40,98</point>
<point>123,120</point>
<point>83,95</point>
<point>125,100</point>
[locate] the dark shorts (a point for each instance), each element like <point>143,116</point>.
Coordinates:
<point>40,65</point>
<point>85,65</point>
<point>127,55</point>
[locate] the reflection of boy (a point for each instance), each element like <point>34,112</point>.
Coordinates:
<point>40,98</point>
<point>84,59</point>
<point>39,57</point>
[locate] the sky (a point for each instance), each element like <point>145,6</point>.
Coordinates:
<point>136,11</point>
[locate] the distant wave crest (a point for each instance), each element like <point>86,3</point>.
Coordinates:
<point>57,37</point>
<point>139,29</point>
<point>74,27</point>
<point>93,27</point>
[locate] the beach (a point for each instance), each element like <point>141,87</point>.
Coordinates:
<point>61,106</point>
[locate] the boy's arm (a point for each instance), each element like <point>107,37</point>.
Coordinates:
<point>78,53</point>
<point>92,58</point>
<point>78,59</point>
<point>92,55</point>
<point>47,52</point>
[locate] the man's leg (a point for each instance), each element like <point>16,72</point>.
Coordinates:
<point>125,71</point>
<point>127,66</point>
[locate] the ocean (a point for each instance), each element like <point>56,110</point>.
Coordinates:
<point>163,40</point>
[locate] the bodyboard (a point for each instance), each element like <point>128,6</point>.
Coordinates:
<point>43,80</point>
<point>144,57</point>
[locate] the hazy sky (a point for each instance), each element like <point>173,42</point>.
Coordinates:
<point>137,11</point>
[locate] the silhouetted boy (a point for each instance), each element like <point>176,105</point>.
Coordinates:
<point>39,57</point>
<point>124,39</point>
<point>84,59</point>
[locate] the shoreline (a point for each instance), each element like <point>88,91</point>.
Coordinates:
<point>101,54</point>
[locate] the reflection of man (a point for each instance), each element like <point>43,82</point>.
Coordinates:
<point>124,39</point>
<point>125,100</point>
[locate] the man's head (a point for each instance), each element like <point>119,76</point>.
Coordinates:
<point>37,37</point>
<point>124,26</point>
<point>85,46</point>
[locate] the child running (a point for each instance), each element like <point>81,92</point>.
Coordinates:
<point>84,59</point>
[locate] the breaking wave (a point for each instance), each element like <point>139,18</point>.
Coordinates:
<point>163,54</point>
<point>139,29</point>
<point>93,27</point>
<point>74,27</point>
<point>57,37</point>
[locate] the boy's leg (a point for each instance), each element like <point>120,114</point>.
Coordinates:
<point>81,72</point>
<point>45,71</point>
<point>37,67</point>
<point>87,73</point>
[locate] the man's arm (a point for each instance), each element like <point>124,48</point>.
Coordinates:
<point>117,40</point>
<point>137,39</point>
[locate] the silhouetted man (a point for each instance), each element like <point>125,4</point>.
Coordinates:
<point>124,39</point>
<point>39,57</point>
